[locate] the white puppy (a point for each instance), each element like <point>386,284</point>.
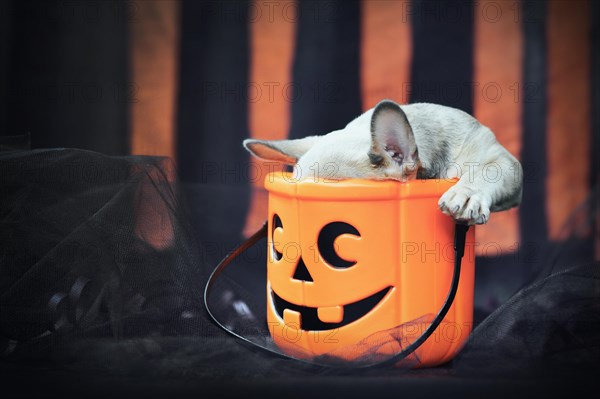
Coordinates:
<point>401,142</point>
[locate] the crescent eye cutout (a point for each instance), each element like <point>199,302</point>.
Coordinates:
<point>326,240</point>
<point>275,223</point>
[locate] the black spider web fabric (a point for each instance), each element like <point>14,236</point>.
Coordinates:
<point>102,271</point>
<point>552,324</point>
<point>92,246</point>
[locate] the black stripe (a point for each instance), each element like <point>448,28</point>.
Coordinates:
<point>326,78</point>
<point>212,115</point>
<point>442,65</point>
<point>69,75</point>
<point>5,44</point>
<point>532,212</point>
<point>212,108</point>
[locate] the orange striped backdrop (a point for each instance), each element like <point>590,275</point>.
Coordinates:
<point>385,72</point>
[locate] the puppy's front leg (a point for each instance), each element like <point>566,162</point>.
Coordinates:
<point>490,180</point>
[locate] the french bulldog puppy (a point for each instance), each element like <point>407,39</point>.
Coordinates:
<point>414,141</point>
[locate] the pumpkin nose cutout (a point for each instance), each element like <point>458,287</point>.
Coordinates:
<point>301,272</point>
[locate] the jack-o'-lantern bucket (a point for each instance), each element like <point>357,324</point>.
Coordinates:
<point>353,260</point>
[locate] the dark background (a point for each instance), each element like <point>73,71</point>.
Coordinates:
<point>68,79</point>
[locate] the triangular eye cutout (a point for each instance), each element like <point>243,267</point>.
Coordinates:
<point>301,272</point>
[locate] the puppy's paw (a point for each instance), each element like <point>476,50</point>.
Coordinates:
<point>466,205</point>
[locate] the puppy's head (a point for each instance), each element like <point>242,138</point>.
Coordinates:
<point>378,145</point>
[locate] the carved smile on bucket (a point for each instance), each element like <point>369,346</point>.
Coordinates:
<point>338,316</point>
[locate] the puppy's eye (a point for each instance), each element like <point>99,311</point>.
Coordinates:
<point>375,159</point>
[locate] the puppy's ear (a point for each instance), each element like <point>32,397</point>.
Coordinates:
<point>392,138</point>
<point>286,151</point>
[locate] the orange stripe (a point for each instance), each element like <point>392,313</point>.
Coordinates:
<point>385,51</point>
<point>154,42</point>
<point>153,204</point>
<point>498,54</point>
<point>272,28</point>
<point>568,139</point>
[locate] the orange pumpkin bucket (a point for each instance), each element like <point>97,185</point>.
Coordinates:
<point>360,266</point>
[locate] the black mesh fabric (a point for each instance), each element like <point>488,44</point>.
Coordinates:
<point>552,324</point>
<point>92,246</point>
<point>102,271</point>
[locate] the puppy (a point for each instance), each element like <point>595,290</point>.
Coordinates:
<point>402,142</point>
